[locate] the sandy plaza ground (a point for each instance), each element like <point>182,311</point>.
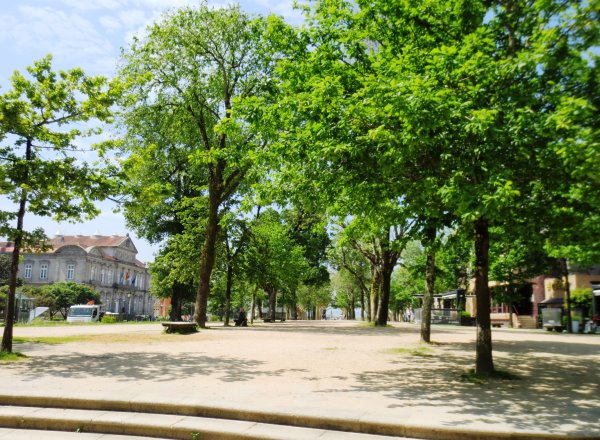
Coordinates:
<point>328,368</point>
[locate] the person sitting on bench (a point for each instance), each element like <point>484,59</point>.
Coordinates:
<point>242,321</point>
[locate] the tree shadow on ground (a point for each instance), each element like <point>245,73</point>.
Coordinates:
<point>558,386</point>
<point>352,328</point>
<point>152,367</point>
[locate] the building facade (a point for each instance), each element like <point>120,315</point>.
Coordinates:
<point>106,263</point>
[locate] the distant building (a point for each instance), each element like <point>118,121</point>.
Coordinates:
<point>106,263</point>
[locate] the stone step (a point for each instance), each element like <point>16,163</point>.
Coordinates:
<point>31,434</point>
<point>166,426</point>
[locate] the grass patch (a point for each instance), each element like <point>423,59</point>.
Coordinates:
<point>100,339</point>
<point>422,351</point>
<point>14,356</point>
<point>61,322</point>
<point>52,339</point>
<point>472,377</point>
<point>42,323</point>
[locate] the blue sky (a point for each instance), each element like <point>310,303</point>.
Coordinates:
<point>89,34</point>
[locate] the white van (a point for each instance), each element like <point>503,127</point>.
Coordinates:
<point>84,313</point>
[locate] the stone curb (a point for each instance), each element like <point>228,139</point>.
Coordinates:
<point>242,415</point>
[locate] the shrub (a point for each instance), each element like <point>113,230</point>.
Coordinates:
<point>109,319</point>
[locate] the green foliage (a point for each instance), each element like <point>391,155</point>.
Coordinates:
<point>481,113</point>
<point>347,291</point>
<point>4,269</point>
<point>189,75</point>
<point>34,113</point>
<point>582,298</point>
<point>60,296</point>
<point>109,319</point>
<point>517,255</point>
<point>307,229</point>
<point>274,260</point>
<point>310,297</point>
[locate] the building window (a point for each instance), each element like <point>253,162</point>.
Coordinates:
<point>93,276</point>
<point>110,276</point>
<point>28,268</point>
<point>70,271</point>
<point>43,271</point>
<point>103,276</point>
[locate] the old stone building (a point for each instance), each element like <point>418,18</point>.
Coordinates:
<point>106,263</point>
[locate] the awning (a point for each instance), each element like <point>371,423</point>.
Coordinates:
<point>553,301</point>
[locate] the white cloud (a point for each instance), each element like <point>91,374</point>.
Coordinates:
<point>93,5</point>
<point>110,23</point>
<point>133,18</point>
<point>66,35</point>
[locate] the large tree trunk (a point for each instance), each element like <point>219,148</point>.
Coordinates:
<point>9,321</point>
<point>272,303</point>
<point>430,287</point>
<point>362,305</point>
<point>388,263</point>
<point>253,305</point>
<point>484,364</point>
<point>207,258</point>
<point>374,294</point>
<point>294,306</point>
<point>176,302</point>
<point>260,307</point>
<point>7,337</point>
<point>428,298</point>
<point>228,293</point>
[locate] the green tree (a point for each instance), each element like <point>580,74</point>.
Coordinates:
<point>173,270</point>
<point>275,262</point>
<point>582,299</point>
<point>464,108</point>
<point>312,298</point>
<point>236,237</point>
<point>199,61</point>
<point>61,296</point>
<point>163,198</point>
<point>501,88</point>
<point>307,229</point>
<point>5,261</point>
<point>40,173</point>
<point>44,298</point>
<point>344,258</point>
<point>347,292</point>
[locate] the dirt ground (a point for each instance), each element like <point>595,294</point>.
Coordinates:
<point>333,368</point>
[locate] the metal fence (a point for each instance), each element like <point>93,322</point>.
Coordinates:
<point>440,316</point>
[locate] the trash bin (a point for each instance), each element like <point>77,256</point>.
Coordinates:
<point>575,326</point>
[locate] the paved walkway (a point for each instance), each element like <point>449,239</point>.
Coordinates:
<point>334,369</point>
